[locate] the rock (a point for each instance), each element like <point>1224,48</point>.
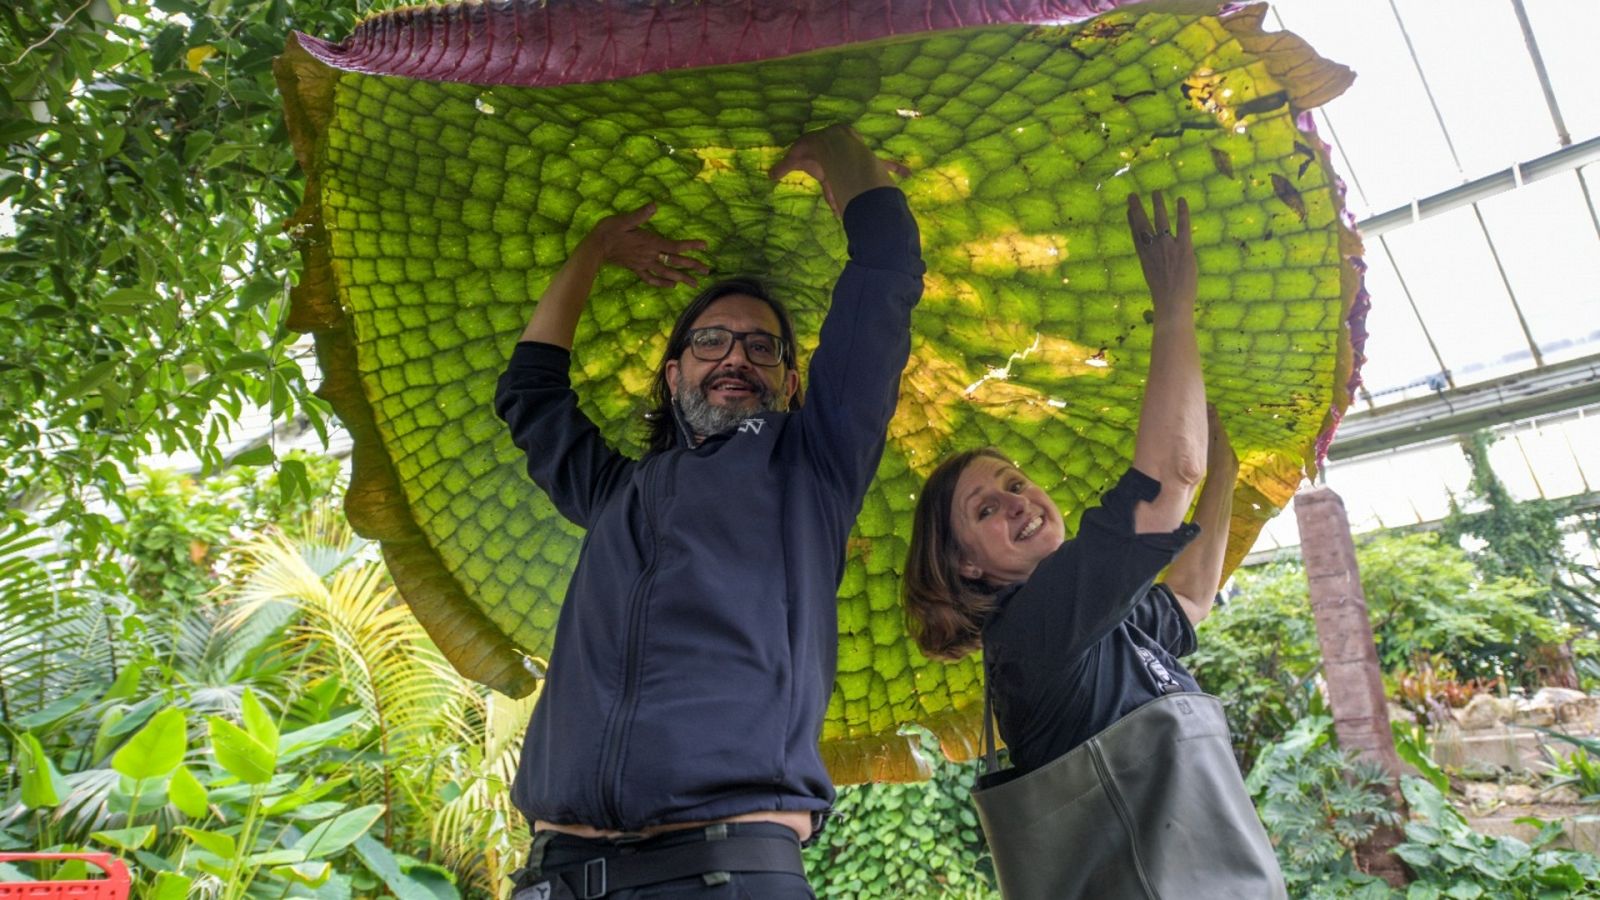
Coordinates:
<point>1540,712</point>
<point>1481,712</point>
<point>1519,794</point>
<point>1555,696</point>
<point>1487,750</point>
<point>1584,832</point>
<point>1580,716</point>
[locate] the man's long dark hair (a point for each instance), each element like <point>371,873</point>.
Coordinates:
<point>660,422</point>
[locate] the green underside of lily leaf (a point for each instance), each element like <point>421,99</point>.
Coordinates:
<point>436,213</point>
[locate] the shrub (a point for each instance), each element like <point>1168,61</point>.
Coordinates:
<point>910,841</point>
<point>1452,860</point>
<point>1318,803</point>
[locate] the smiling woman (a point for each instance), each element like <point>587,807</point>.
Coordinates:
<point>1081,644</point>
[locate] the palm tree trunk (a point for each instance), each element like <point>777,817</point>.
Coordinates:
<point>1350,659</point>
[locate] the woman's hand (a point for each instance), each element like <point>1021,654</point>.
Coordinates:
<point>622,240</point>
<point>1167,257</point>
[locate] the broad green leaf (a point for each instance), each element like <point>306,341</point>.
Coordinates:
<point>251,359</point>
<point>240,754</point>
<point>126,838</point>
<point>315,811</point>
<point>1563,875</point>
<point>292,480</point>
<point>104,740</point>
<point>309,790</point>
<point>188,794</point>
<point>170,886</point>
<point>129,300</point>
<point>42,786</point>
<point>91,378</point>
<point>126,683</point>
<point>338,833</point>
<point>258,291</point>
<point>380,862</point>
<point>338,887</point>
<point>310,874</point>
<point>256,456</point>
<point>443,206</point>
<point>257,721</point>
<point>58,710</point>
<point>279,857</point>
<point>157,748</point>
<point>219,870</point>
<point>295,744</point>
<point>215,842</point>
<point>137,715</point>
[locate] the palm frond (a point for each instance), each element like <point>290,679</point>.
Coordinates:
<point>54,639</point>
<point>480,834</point>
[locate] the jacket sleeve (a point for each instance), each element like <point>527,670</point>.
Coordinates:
<point>1161,618</point>
<point>1081,592</point>
<point>567,457</point>
<point>854,380</point>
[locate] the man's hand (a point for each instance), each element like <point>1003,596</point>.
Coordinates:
<point>619,239</point>
<point>840,162</point>
<point>1166,257</point>
<point>622,240</point>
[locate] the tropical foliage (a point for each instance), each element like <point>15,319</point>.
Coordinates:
<point>1431,609</point>
<point>144,180</point>
<point>905,840</point>
<point>289,726</point>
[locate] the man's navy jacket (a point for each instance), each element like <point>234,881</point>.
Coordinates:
<point>696,647</point>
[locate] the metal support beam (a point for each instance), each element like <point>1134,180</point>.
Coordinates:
<point>1552,389</point>
<point>1564,160</point>
<point>1576,504</point>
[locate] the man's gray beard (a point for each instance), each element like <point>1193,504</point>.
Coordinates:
<point>705,419</point>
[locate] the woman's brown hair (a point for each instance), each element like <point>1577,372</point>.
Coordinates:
<point>946,611</point>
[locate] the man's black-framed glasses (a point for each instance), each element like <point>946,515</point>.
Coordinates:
<point>714,343</point>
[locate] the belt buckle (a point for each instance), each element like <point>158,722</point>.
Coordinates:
<point>594,878</point>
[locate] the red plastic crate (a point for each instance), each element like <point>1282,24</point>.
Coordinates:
<point>112,887</point>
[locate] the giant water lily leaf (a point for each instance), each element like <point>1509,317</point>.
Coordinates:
<point>455,155</point>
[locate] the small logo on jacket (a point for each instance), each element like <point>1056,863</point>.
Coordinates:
<point>751,425</point>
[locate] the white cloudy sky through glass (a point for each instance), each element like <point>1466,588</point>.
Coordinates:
<point>1392,149</point>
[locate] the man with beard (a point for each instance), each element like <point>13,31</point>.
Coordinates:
<point>675,740</point>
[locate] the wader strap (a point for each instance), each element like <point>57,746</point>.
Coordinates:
<point>991,760</point>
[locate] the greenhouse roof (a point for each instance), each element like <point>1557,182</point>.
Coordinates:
<point>1468,144</point>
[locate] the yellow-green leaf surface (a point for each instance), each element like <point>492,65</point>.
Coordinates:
<point>437,211</point>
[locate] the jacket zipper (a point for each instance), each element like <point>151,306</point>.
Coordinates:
<point>609,784</point>
<point>1121,806</point>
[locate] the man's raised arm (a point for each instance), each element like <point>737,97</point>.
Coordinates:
<point>854,378</point>
<point>567,456</point>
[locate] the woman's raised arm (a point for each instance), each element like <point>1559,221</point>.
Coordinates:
<point>1170,445</point>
